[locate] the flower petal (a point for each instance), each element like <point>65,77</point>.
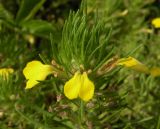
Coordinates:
<point>31,83</point>
<point>156,22</point>
<point>6,71</point>
<point>134,64</point>
<point>72,87</point>
<point>155,71</point>
<point>36,71</point>
<point>87,88</point>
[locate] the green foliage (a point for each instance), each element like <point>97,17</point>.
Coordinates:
<point>4,13</point>
<point>81,43</point>
<point>92,37</point>
<point>38,28</point>
<point>24,23</point>
<point>28,8</point>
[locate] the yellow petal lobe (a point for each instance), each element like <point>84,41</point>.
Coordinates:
<point>72,87</point>
<point>87,88</point>
<point>134,64</point>
<point>35,71</point>
<point>156,22</point>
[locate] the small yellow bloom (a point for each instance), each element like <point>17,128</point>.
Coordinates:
<point>6,71</point>
<point>79,86</point>
<point>156,22</point>
<point>30,38</point>
<point>124,13</point>
<point>134,64</point>
<point>35,71</point>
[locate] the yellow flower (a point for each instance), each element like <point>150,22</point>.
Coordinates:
<point>79,86</point>
<point>6,71</point>
<point>30,38</point>
<point>134,64</point>
<point>35,71</point>
<point>155,71</point>
<point>156,22</point>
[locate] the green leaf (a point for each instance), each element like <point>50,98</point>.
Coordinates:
<point>38,28</point>
<point>6,17</point>
<point>4,14</point>
<point>28,9</point>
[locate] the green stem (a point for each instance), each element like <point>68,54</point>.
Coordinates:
<point>81,114</point>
